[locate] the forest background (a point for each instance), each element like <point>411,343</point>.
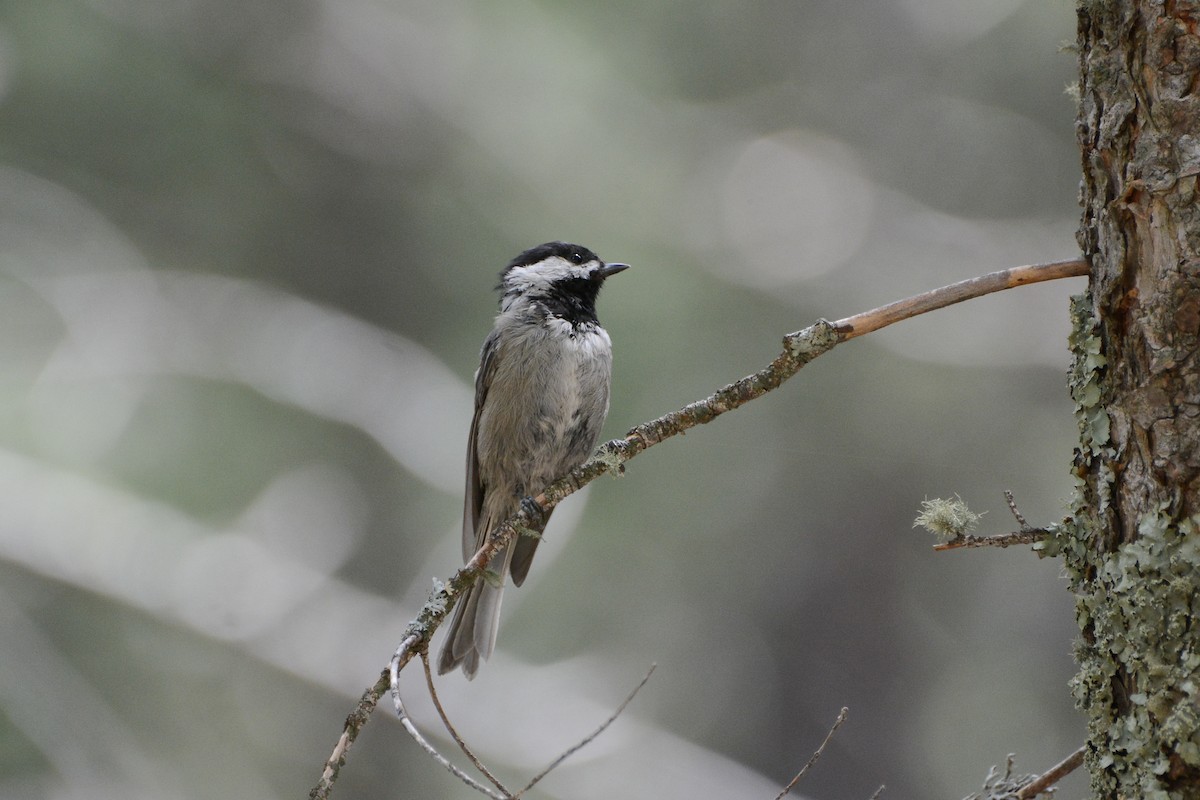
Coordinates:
<point>246,259</point>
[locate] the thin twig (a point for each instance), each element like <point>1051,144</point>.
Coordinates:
<point>800,348</point>
<point>590,738</point>
<point>837,723</point>
<point>881,317</point>
<point>1052,776</point>
<point>359,717</point>
<point>355,721</point>
<point>462,745</point>
<point>400,657</point>
<point>878,792</point>
<point>1016,512</point>
<point>406,721</point>
<point>1029,536</point>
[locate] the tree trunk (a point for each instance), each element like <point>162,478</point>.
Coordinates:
<point>1133,550</point>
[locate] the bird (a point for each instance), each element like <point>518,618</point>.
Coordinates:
<point>541,398</point>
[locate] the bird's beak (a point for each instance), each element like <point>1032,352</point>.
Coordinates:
<point>608,270</point>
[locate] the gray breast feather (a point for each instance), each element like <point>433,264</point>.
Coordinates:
<point>546,403</point>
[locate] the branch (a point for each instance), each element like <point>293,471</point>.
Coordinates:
<point>1026,535</point>
<point>462,745</point>
<point>407,722</point>
<point>504,793</point>
<point>590,737</point>
<point>1025,787</point>
<point>354,724</point>
<point>1052,776</point>
<point>837,723</point>
<point>1016,512</point>
<point>969,289</point>
<point>800,348</point>
<point>1031,536</point>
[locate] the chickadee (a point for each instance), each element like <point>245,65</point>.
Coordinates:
<point>541,396</point>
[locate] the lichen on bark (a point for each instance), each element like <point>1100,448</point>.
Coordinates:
<point>1132,548</point>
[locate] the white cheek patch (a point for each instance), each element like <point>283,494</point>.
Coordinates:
<point>538,278</point>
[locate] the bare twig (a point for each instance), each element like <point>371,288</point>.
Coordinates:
<point>589,738</point>
<point>462,745</point>
<point>800,348</point>
<point>1029,536</point>
<point>403,653</point>
<point>969,289</point>
<point>837,723</point>
<point>1016,512</point>
<point>878,792</point>
<point>407,722</point>
<point>355,721</point>
<point>504,793</point>
<point>1052,776</point>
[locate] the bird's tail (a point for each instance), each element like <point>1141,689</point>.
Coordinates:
<point>473,627</point>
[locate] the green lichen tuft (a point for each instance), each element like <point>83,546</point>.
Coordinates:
<point>948,519</point>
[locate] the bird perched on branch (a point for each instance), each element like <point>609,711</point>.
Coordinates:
<point>541,396</point>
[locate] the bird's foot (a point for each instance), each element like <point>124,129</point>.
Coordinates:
<point>537,514</point>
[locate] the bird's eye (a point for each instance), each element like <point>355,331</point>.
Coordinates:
<point>577,257</point>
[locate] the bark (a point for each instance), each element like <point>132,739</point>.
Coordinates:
<point>1132,550</point>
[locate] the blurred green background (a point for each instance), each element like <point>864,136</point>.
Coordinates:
<point>246,258</point>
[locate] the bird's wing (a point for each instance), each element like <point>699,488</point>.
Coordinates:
<point>473,497</point>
